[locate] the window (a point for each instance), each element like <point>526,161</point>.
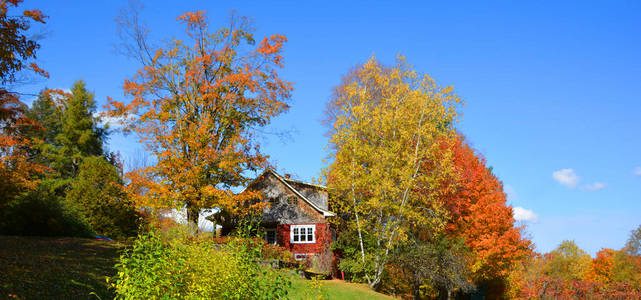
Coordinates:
<point>292,200</point>
<point>270,236</point>
<point>300,256</point>
<point>302,234</point>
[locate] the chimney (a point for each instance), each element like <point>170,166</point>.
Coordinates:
<point>288,176</point>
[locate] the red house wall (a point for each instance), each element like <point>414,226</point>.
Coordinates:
<point>322,236</point>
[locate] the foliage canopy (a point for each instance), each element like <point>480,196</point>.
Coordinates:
<point>195,106</point>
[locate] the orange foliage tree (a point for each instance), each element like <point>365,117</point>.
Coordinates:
<point>478,213</point>
<point>601,269</point>
<point>196,105</point>
<point>16,170</point>
<point>16,52</point>
<point>568,273</point>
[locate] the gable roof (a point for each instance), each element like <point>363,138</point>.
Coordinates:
<point>285,182</point>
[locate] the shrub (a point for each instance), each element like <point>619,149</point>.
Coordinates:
<point>98,194</point>
<point>161,267</point>
<point>41,212</point>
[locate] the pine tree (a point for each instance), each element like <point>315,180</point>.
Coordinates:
<point>80,134</point>
<point>46,112</point>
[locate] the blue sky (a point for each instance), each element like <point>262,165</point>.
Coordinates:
<point>552,90</point>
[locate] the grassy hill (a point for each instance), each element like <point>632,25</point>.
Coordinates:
<point>56,268</point>
<point>333,289</point>
<point>76,268</point>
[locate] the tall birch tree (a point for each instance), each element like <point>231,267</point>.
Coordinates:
<point>385,124</point>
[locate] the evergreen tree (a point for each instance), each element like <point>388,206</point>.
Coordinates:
<point>80,135</point>
<point>47,115</point>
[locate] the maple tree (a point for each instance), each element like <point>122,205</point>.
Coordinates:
<point>17,49</point>
<point>195,106</point>
<point>16,170</point>
<point>478,213</point>
<point>385,122</point>
<point>601,269</point>
<point>568,273</point>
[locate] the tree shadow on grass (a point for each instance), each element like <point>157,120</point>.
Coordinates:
<point>56,268</point>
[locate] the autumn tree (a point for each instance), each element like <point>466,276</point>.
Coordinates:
<point>17,52</point>
<point>17,49</point>
<point>569,273</point>
<point>567,262</point>
<point>633,245</point>
<point>478,214</point>
<point>16,170</point>
<point>195,105</point>
<point>601,268</point>
<point>385,123</point>
<point>627,261</point>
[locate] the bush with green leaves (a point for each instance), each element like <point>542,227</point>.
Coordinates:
<point>42,212</point>
<point>99,195</point>
<point>158,267</point>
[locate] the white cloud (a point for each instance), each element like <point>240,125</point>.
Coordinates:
<point>566,177</point>
<point>525,215</point>
<point>637,171</point>
<point>594,187</point>
<point>569,178</point>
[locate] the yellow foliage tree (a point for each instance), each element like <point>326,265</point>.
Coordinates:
<point>568,262</point>
<point>385,125</point>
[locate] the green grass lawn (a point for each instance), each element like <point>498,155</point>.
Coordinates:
<point>333,289</point>
<point>73,268</point>
<point>55,268</point>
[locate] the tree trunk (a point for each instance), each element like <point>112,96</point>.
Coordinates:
<point>192,219</point>
<point>416,291</point>
<point>445,294</point>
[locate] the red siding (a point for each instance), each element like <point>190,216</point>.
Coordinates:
<point>322,237</point>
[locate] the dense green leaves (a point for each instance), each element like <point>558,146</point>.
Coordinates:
<point>98,194</point>
<point>175,268</point>
<point>41,212</point>
<point>435,265</point>
<point>66,137</point>
<point>80,136</point>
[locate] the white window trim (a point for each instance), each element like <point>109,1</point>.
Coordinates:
<point>291,234</point>
<point>302,256</point>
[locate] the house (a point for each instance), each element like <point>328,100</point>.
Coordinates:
<point>296,217</point>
